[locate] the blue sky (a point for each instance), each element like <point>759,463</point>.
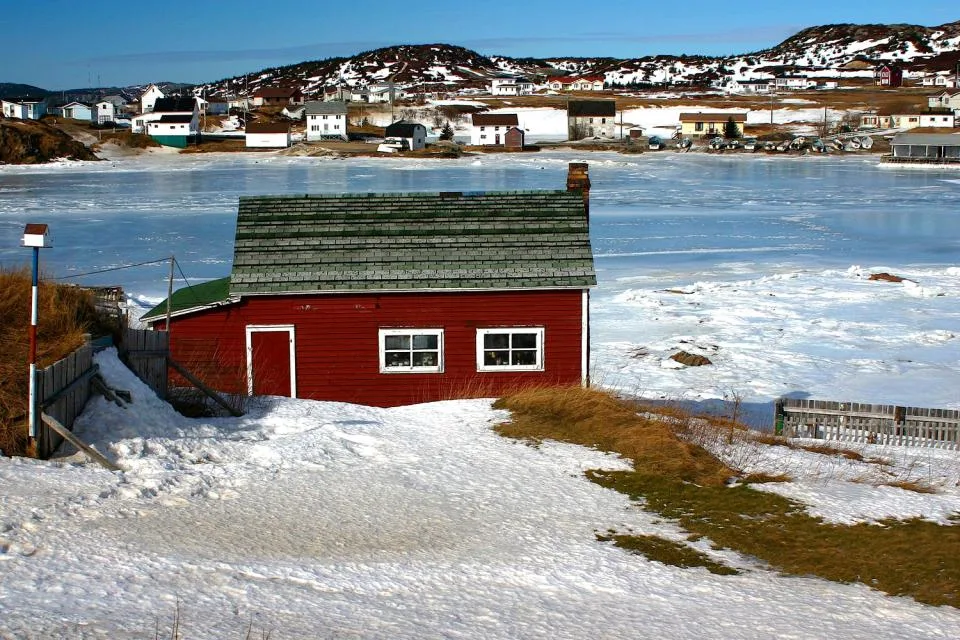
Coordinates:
<point>63,44</point>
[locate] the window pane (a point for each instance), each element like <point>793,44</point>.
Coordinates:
<point>425,342</point>
<point>425,359</point>
<point>524,358</point>
<point>524,341</point>
<point>496,358</point>
<point>496,340</point>
<point>397,359</point>
<point>396,342</point>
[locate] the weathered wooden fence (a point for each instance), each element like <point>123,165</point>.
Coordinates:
<point>868,423</point>
<point>62,391</point>
<point>147,354</point>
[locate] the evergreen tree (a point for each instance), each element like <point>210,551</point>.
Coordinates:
<point>730,130</point>
<point>447,132</point>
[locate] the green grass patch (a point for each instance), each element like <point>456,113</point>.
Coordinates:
<point>684,483</point>
<point>668,552</point>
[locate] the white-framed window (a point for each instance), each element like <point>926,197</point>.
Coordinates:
<point>411,350</point>
<point>510,349</point>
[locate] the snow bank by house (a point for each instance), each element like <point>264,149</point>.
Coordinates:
<point>312,519</point>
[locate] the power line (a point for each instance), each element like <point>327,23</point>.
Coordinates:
<point>126,266</point>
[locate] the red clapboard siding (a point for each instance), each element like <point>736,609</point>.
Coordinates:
<point>337,345</point>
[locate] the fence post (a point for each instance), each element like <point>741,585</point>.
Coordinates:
<point>778,417</point>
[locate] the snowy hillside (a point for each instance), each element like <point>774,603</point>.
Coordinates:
<point>844,50</point>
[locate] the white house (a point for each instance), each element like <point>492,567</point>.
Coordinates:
<point>792,82</point>
<point>937,120</point>
<point>382,93</point>
<point>171,130</point>
<point>510,86</point>
<point>23,109</point>
<point>414,133</point>
<point>103,111</point>
<point>943,79</point>
<point>267,135</point>
<point>752,86</point>
<point>945,100</point>
<point>77,111</point>
<point>326,121</point>
<point>149,98</point>
<point>491,128</point>
<point>168,107</point>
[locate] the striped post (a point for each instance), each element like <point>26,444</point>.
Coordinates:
<point>34,304</point>
<point>35,236</point>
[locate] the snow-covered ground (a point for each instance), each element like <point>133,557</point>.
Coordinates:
<point>324,520</point>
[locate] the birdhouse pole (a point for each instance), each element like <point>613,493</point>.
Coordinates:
<point>35,236</point>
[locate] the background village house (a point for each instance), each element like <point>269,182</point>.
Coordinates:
<point>149,98</point>
<point>326,121</point>
<point>267,135</point>
<point>511,86</point>
<point>452,291</point>
<point>277,97</point>
<point>591,119</point>
<point>491,128</point>
<point>413,133</point>
<point>888,75</point>
<point>710,124</point>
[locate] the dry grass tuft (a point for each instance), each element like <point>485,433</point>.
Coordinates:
<point>832,450</point>
<point>65,314</point>
<point>597,419</point>
<point>911,485</point>
<point>668,552</point>
<point>760,478</point>
<point>681,481</point>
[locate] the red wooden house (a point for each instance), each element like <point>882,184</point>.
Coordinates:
<point>395,298</point>
<point>888,75</point>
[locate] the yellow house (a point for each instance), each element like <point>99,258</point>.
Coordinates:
<point>710,124</point>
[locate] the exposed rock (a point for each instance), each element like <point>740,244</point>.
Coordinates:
<point>690,359</point>
<point>886,277</point>
<point>34,142</point>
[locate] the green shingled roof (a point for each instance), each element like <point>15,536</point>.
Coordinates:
<point>191,297</point>
<point>411,241</point>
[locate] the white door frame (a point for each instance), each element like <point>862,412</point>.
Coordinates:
<point>263,328</point>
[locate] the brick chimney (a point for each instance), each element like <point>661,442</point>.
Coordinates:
<point>578,179</point>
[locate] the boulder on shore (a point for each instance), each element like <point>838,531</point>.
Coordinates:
<point>690,359</point>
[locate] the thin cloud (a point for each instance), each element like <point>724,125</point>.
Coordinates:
<point>759,37</point>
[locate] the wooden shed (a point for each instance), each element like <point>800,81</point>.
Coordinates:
<point>395,298</point>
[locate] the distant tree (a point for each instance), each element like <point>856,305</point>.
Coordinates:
<point>447,132</point>
<point>730,129</point>
<point>577,131</point>
<point>437,119</point>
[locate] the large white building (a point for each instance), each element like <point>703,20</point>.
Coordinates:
<point>149,98</point>
<point>326,121</point>
<point>510,86</point>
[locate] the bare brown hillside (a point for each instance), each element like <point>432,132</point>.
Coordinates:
<point>33,142</point>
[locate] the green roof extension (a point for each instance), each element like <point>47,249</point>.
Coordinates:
<point>411,241</point>
<point>191,298</point>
